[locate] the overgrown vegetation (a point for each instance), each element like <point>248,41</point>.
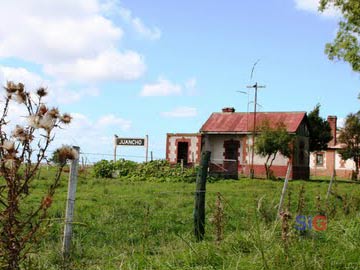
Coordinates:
<point>23,148</point>
<point>155,171</point>
<point>147,225</point>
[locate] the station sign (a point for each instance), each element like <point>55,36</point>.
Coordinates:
<point>130,141</point>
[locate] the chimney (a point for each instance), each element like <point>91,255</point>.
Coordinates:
<point>332,122</point>
<point>228,110</point>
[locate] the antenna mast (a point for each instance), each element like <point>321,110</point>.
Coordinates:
<point>255,86</point>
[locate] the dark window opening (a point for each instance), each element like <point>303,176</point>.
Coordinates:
<point>182,153</point>
<point>231,150</point>
<point>319,159</point>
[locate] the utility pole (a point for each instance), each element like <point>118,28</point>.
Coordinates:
<point>255,86</point>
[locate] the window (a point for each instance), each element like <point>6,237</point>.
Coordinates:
<point>319,159</point>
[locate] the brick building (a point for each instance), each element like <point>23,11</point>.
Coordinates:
<point>228,135</point>
<point>322,163</point>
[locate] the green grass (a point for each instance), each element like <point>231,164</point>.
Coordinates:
<point>147,225</point>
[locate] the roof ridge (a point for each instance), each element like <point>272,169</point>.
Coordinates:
<point>261,112</point>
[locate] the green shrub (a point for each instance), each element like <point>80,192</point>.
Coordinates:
<point>154,171</point>
<point>124,167</point>
<point>104,168</point>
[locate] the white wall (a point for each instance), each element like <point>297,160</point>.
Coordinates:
<point>348,164</point>
<point>192,147</point>
<point>216,144</point>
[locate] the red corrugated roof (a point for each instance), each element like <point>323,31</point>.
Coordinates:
<point>244,122</point>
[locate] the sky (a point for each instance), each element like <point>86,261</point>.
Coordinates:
<point>135,67</point>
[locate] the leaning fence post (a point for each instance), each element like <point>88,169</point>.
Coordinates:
<point>330,185</point>
<point>284,189</point>
<point>70,204</point>
<point>199,210</point>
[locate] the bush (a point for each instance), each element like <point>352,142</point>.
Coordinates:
<point>104,168</point>
<point>154,171</point>
<point>124,167</point>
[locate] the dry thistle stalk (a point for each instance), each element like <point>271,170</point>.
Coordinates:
<point>21,154</point>
<point>319,206</point>
<point>218,219</point>
<point>301,200</point>
<point>285,229</point>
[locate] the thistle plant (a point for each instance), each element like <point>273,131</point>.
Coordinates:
<point>22,151</point>
<point>301,200</point>
<point>218,219</point>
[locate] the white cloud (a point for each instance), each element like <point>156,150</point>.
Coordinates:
<point>313,6</point>
<point>91,135</point>
<point>181,112</point>
<point>63,96</point>
<point>40,36</point>
<point>190,86</point>
<point>71,40</point>
<point>29,79</point>
<point>162,87</point>
<point>58,91</point>
<point>137,24</point>
<point>109,65</point>
<point>112,120</point>
<point>341,122</point>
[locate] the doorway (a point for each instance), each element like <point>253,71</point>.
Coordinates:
<point>182,152</point>
<point>231,156</point>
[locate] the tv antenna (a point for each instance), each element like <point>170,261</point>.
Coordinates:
<point>255,87</point>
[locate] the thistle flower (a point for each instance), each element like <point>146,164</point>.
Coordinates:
<point>20,87</point>
<point>54,113</point>
<point>8,145</point>
<point>10,87</point>
<point>64,153</point>
<point>21,97</point>
<point>47,122</point>
<point>42,110</point>
<point>41,92</point>
<point>66,118</point>
<point>10,163</point>
<point>47,201</point>
<point>21,134</point>
<point>34,121</point>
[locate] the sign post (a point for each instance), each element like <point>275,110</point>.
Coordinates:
<point>147,148</point>
<point>115,144</point>
<point>131,142</point>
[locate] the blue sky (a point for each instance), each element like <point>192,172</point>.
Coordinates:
<point>151,67</point>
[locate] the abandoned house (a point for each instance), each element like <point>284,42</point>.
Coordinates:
<point>228,135</point>
<point>322,163</point>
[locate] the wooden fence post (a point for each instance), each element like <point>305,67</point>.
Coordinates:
<point>332,177</point>
<point>330,185</point>
<point>284,189</point>
<point>70,204</point>
<point>199,210</point>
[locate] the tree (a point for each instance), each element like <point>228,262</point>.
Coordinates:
<point>271,141</point>
<point>320,130</point>
<point>346,45</point>
<point>22,150</point>
<point>350,137</point>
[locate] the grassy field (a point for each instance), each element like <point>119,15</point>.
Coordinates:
<point>149,225</point>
